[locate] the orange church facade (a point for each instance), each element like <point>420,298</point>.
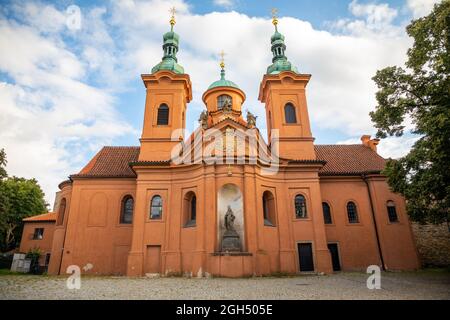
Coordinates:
<point>161,208</point>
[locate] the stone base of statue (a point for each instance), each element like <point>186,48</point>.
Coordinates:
<point>231,242</point>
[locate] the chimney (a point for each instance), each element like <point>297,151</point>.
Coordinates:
<point>370,143</point>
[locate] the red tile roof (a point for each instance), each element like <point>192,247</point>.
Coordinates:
<point>340,159</point>
<point>111,162</point>
<point>49,216</point>
<point>348,159</point>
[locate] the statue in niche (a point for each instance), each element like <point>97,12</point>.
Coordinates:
<point>231,241</point>
<point>227,105</point>
<point>251,119</point>
<point>229,220</point>
<point>204,119</point>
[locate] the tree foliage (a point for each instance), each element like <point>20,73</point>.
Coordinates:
<point>19,198</point>
<point>420,93</point>
<point>3,164</point>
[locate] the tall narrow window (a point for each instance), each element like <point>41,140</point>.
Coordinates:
<point>126,213</point>
<point>392,212</point>
<point>156,208</point>
<point>300,207</point>
<point>163,115</point>
<point>352,213</point>
<point>62,211</point>
<point>289,113</point>
<point>222,100</point>
<point>194,208</point>
<point>326,213</point>
<point>268,209</point>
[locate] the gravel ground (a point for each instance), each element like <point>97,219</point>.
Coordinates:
<point>410,285</point>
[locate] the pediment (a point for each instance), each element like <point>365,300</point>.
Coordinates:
<point>227,139</point>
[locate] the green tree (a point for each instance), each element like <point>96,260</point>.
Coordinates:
<point>20,198</point>
<point>2,164</point>
<point>420,92</point>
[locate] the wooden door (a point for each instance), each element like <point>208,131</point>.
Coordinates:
<point>305,256</point>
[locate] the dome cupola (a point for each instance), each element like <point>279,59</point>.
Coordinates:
<point>223,98</point>
<point>280,61</point>
<point>222,82</point>
<point>170,47</point>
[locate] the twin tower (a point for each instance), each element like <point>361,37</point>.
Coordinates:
<point>169,90</point>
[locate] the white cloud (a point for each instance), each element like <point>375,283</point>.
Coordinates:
<point>391,147</point>
<point>396,147</point>
<point>224,3</point>
<point>420,8</point>
<point>376,14</point>
<point>62,97</point>
<point>50,118</point>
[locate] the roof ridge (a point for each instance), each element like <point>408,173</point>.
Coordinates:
<point>340,144</point>
<point>88,167</point>
<point>121,147</point>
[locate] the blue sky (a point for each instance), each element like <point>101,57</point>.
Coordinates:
<point>65,92</point>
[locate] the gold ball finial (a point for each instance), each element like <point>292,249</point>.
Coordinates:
<point>274,17</point>
<point>172,18</point>
<point>222,59</point>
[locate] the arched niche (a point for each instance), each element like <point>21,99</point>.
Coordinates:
<point>230,195</point>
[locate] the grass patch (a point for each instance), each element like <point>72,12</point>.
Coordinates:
<point>7,272</point>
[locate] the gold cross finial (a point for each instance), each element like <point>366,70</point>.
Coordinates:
<point>172,18</point>
<point>222,59</point>
<point>274,16</point>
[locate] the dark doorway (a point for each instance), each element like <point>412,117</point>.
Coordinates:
<point>333,247</point>
<point>305,256</point>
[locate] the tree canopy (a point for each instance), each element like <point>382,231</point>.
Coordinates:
<point>19,198</point>
<point>420,93</point>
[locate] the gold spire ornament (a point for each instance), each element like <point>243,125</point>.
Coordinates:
<point>274,17</point>
<point>172,18</point>
<point>222,59</point>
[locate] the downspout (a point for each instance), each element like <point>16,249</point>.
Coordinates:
<point>380,252</point>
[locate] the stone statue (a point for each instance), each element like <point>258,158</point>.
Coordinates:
<point>229,220</point>
<point>227,105</point>
<point>204,119</point>
<point>230,238</point>
<point>251,119</point>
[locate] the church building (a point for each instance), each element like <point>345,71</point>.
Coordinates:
<point>226,201</point>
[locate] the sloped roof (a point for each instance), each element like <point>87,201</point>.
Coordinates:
<point>114,162</point>
<point>348,159</point>
<point>111,162</point>
<point>49,216</point>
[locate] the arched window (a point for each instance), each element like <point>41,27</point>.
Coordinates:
<point>163,115</point>
<point>289,113</point>
<point>62,211</point>
<point>190,209</point>
<point>222,99</point>
<point>392,212</point>
<point>352,212</point>
<point>268,209</point>
<point>300,207</point>
<point>156,207</point>
<point>126,211</point>
<point>326,213</point>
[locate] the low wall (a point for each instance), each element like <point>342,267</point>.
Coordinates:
<point>433,244</point>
